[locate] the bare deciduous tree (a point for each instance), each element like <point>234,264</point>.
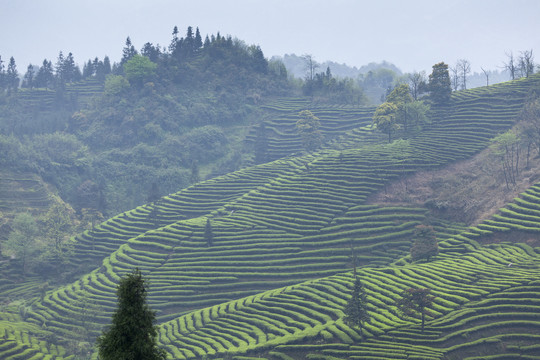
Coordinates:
<point>526,63</point>
<point>310,65</point>
<point>454,78</point>
<point>486,73</point>
<point>464,68</point>
<point>510,66</point>
<point>416,81</point>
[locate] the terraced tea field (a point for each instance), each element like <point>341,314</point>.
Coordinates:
<point>280,127</point>
<point>79,95</point>
<point>275,277</point>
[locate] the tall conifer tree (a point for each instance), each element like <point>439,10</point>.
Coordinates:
<point>356,314</point>
<point>132,334</point>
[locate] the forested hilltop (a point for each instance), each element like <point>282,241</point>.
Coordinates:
<point>317,246</point>
<point>111,131</point>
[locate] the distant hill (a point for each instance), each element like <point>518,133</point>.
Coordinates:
<point>296,66</point>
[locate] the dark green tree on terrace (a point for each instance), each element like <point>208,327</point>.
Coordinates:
<point>308,128</point>
<point>439,85</point>
<point>425,243</point>
<point>416,301</point>
<point>356,314</point>
<point>208,234</point>
<point>132,335</point>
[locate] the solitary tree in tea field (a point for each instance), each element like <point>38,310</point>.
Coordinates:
<point>132,334</point>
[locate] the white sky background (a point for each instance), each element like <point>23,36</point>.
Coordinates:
<point>412,34</point>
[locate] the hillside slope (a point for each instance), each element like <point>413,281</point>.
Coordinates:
<point>281,224</point>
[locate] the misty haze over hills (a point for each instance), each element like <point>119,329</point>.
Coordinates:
<point>296,66</point>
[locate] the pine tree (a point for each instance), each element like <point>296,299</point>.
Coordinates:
<point>132,334</point>
<point>88,69</point>
<point>261,144</point>
<point>59,68</point>
<point>189,41</point>
<point>12,75</point>
<point>106,65</point>
<point>128,51</point>
<point>356,314</point>
<point>29,77</point>
<point>198,39</point>
<point>194,177</point>
<point>174,41</point>
<point>2,75</point>
<point>206,42</point>
<point>45,75</point>
<point>208,235</point>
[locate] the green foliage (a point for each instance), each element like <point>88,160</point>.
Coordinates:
<point>13,152</point>
<point>308,128</point>
<point>415,115</point>
<point>115,85</point>
<point>327,88</point>
<point>439,85</point>
<point>139,69</point>
<point>356,313</point>
<point>60,150</point>
<point>400,96</point>
<point>385,120</point>
<point>409,113</point>
<point>416,301</point>
<point>425,243</point>
<point>22,242</point>
<point>132,334</point>
<point>57,228</point>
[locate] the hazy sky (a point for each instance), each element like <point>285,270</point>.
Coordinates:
<point>412,34</point>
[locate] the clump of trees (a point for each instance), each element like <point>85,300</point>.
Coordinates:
<point>522,66</point>
<point>400,113</point>
<point>163,116</point>
<point>42,244</point>
<point>9,76</point>
<point>323,86</point>
<point>514,148</point>
<point>22,244</point>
